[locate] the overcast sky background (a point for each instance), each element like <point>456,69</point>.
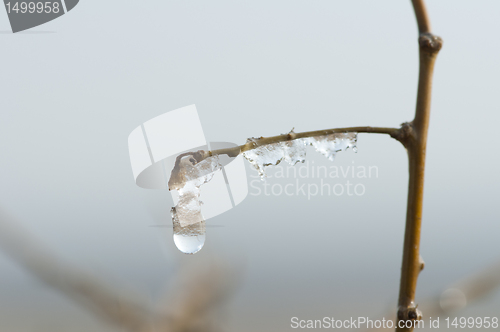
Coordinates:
<point>73,90</point>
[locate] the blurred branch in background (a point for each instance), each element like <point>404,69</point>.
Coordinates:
<point>459,295</point>
<point>464,292</point>
<point>195,294</point>
<point>198,293</point>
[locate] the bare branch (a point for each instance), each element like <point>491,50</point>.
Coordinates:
<point>112,305</point>
<point>424,24</point>
<point>416,144</point>
<point>233,152</point>
<point>177,175</point>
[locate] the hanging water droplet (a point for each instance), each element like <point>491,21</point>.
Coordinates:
<point>188,239</point>
<point>189,244</point>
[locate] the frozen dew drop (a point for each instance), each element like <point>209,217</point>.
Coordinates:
<point>189,244</point>
<point>190,238</point>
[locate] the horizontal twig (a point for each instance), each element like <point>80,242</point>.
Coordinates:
<point>177,180</point>
<point>235,151</point>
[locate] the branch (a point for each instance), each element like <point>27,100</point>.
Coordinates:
<point>424,24</point>
<point>233,152</point>
<point>177,175</point>
<point>416,144</point>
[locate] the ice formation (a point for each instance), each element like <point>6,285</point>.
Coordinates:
<point>187,177</point>
<point>329,145</point>
<point>294,151</point>
<point>272,154</point>
<point>192,170</point>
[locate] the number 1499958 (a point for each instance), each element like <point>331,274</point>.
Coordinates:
<point>33,7</point>
<point>472,322</point>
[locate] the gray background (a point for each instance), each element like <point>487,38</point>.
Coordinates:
<point>74,88</point>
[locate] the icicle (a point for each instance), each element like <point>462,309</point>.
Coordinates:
<point>265,155</point>
<point>187,177</point>
<point>292,152</point>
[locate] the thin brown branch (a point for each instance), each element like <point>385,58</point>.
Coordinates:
<point>177,175</point>
<point>416,144</point>
<point>233,152</point>
<point>424,24</point>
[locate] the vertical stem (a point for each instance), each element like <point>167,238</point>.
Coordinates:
<point>424,24</point>
<point>416,143</point>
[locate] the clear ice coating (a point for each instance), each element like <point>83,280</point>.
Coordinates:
<point>329,145</point>
<point>187,177</point>
<point>188,170</point>
<point>294,151</point>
